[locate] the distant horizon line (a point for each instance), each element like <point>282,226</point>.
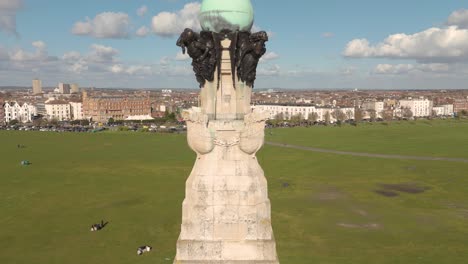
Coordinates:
<point>276,88</point>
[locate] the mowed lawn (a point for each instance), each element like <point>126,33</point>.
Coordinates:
<point>326,208</point>
<point>433,138</point>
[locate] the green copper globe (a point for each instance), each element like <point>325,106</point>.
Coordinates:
<point>218,15</point>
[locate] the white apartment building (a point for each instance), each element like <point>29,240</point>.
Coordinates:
<point>58,110</point>
<point>376,106</point>
<point>305,112</point>
<point>443,110</point>
<point>287,111</point>
<point>76,109</point>
<point>23,112</point>
<point>419,107</point>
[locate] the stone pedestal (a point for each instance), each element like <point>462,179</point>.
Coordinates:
<point>226,212</point>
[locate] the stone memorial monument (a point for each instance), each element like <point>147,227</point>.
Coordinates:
<point>226,212</point>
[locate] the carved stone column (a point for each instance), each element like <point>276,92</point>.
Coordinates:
<point>226,214</point>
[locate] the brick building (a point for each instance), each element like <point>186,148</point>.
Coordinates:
<point>2,112</point>
<point>102,108</point>
<point>460,105</point>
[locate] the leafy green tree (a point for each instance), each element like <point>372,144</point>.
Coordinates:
<point>296,119</point>
<point>339,115</point>
<point>407,113</point>
<point>358,115</point>
<point>372,115</point>
<point>13,122</point>
<point>387,115</point>
<point>313,118</point>
<point>327,118</point>
<point>279,117</point>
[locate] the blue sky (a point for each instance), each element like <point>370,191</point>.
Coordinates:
<point>314,44</point>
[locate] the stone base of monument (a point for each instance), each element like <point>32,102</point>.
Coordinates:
<point>226,213</point>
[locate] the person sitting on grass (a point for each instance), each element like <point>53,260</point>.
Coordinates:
<point>143,249</point>
<point>97,227</point>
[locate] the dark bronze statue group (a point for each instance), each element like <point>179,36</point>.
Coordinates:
<point>205,49</point>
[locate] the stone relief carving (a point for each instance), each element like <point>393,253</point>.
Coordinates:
<point>201,140</point>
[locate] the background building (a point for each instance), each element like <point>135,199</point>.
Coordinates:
<point>76,110</point>
<point>22,112</point>
<point>418,107</point>
<point>64,88</point>
<point>58,110</point>
<point>318,114</point>
<point>373,106</point>
<point>460,104</point>
<point>74,88</point>
<point>443,110</point>
<point>37,86</point>
<point>102,108</point>
<point>2,112</point>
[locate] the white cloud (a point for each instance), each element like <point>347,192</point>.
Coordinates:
<point>103,54</point>
<point>131,70</point>
<point>40,54</point>
<point>79,66</point>
<point>117,68</point>
<point>181,56</point>
<point>269,56</point>
<point>8,10</point>
<point>400,69</point>
<point>142,11</point>
<point>459,18</point>
<point>272,70</point>
<point>71,56</point>
<point>433,45</point>
<point>328,35</point>
<point>104,25</point>
<point>167,24</point>
<point>143,32</point>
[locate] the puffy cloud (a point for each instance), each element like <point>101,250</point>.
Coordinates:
<point>8,10</point>
<point>131,70</point>
<point>142,11</point>
<point>117,68</point>
<point>181,56</point>
<point>269,56</point>
<point>102,54</point>
<point>400,69</point>
<point>104,25</point>
<point>71,56</point>
<point>433,45</point>
<point>272,70</point>
<point>40,53</point>
<point>459,18</point>
<point>167,24</point>
<point>143,32</point>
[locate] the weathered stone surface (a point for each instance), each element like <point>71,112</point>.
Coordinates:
<point>226,215</point>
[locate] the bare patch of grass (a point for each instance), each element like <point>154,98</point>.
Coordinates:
<point>387,193</point>
<point>405,187</point>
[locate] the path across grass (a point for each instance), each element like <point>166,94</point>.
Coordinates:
<point>362,154</point>
<point>425,138</point>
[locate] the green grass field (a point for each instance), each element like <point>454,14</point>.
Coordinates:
<point>326,208</point>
